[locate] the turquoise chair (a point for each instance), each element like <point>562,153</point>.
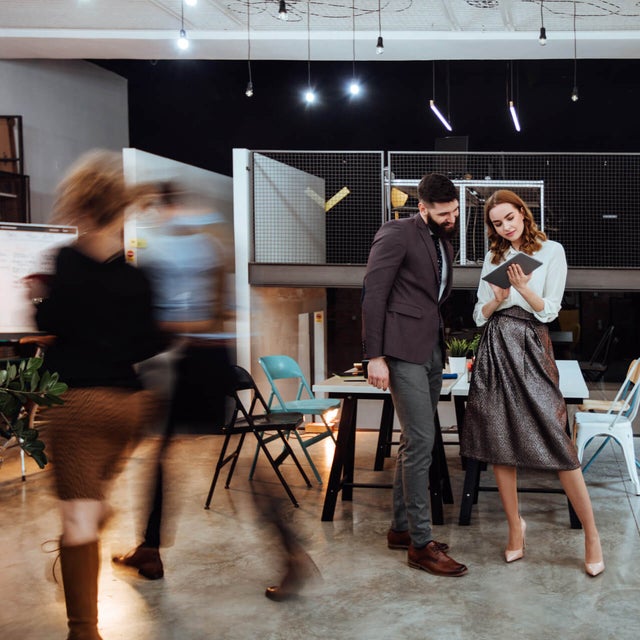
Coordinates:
<point>284,367</point>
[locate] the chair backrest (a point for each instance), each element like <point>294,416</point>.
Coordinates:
<point>283,367</point>
<point>603,348</point>
<point>627,399</point>
<point>241,380</point>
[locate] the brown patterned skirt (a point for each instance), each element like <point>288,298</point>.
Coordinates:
<point>89,435</point>
<point>516,415</point>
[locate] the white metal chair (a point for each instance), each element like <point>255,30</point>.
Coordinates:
<point>615,424</point>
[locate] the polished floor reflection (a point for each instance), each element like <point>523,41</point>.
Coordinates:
<point>218,562</point>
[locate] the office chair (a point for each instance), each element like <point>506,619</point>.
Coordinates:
<point>258,420</point>
<point>598,364</point>
<point>615,424</point>
<point>283,367</point>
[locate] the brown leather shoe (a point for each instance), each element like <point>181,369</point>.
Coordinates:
<point>402,540</point>
<point>145,559</point>
<point>431,559</point>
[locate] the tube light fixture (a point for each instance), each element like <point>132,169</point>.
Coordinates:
<point>514,115</point>
<point>442,119</point>
<point>282,11</point>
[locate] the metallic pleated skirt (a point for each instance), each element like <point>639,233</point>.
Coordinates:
<point>516,415</point>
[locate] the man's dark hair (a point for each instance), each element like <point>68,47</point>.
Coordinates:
<point>434,187</point>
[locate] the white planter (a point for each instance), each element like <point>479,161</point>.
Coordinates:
<point>458,365</point>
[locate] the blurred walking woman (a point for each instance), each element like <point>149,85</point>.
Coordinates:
<point>99,309</point>
<point>516,414</point>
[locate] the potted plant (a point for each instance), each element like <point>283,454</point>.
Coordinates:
<point>22,390</point>
<point>459,349</point>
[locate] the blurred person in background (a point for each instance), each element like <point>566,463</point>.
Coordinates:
<point>99,309</point>
<point>186,264</point>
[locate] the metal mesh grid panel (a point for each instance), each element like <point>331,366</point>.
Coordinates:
<point>591,201</point>
<point>312,207</point>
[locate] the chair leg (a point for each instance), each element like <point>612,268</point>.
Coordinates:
<point>630,459</point>
<point>216,473</point>
<point>234,460</point>
<point>287,451</point>
<point>283,482</point>
<point>306,453</point>
<point>595,455</point>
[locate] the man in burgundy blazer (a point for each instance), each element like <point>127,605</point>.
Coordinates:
<point>408,276</point>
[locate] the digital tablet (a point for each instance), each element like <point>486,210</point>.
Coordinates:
<point>499,276</point>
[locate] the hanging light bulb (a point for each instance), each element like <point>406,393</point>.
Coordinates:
<point>249,90</point>
<point>183,41</point>
<point>380,43</point>
<point>574,92</point>
<point>310,96</point>
<point>282,11</point>
<point>543,36</point>
<point>354,88</point>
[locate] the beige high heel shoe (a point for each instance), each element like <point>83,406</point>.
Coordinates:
<point>594,569</point>
<point>511,555</point>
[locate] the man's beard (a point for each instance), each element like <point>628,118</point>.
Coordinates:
<point>440,232</point>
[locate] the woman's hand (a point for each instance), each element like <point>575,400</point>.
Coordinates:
<point>500,294</point>
<point>517,277</point>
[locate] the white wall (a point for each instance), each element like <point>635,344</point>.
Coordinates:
<point>67,107</point>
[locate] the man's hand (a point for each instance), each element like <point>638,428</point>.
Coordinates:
<point>378,373</point>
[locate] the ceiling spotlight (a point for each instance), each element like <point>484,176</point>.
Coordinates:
<point>380,46</point>
<point>183,42</point>
<point>282,11</point>
<point>249,90</point>
<point>543,36</point>
<point>191,3</point>
<point>309,96</point>
<point>354,88</point>
<point>574,94</point>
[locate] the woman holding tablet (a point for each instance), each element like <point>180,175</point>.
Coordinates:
<point>516,414</point>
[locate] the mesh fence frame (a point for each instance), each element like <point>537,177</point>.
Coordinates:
<point>591,201</point>
<point>350,224</point>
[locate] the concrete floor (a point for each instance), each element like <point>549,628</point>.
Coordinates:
<point>219,562</point>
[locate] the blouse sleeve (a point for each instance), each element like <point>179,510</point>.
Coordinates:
<point>485,292</point>
<point>554,283</point>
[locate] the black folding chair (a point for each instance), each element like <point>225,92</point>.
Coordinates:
<point>597,366</point>
<point>257,419</point>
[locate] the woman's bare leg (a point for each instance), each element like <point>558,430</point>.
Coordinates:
<point>506,478</point>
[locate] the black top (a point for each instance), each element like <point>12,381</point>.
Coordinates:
<point>101,315</point>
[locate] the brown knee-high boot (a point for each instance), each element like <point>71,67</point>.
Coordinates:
<point>80,565</point>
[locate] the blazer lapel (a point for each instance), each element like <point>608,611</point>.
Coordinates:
<point>425,235</point>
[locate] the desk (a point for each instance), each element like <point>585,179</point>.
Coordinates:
<point>574,390</point>
<point>341,476</point>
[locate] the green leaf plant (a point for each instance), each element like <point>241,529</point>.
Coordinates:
<point>22,390</point>
<point>461,347</point>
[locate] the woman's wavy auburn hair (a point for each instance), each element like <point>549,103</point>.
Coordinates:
<point>94,190</point>
<point>532,237</point>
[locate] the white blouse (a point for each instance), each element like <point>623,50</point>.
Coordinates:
<point>548,281</point>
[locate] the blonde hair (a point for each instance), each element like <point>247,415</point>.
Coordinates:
<point>532,237</point>
<point>94,190</point>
